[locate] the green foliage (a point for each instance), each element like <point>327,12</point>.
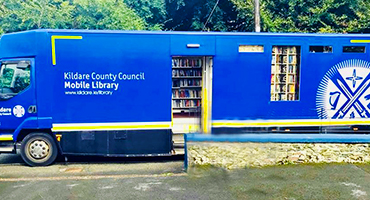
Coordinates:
<point>16,15</point>
<point>245,9</point>
<point>33,14</point>
<point>6,78</point>
<point>341,16</point>
<point>308,15</point>
<point>22,81</point>
<point>188,15</point>
<point>105,14</point>
<point>152,11</point>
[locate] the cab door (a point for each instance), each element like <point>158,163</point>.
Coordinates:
<point>17,95</point>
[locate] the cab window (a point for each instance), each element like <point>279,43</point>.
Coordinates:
<point>14,78</point>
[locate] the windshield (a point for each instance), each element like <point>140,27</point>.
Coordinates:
<point>14,78</point>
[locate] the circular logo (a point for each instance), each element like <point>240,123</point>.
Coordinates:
<point>344,92</point>
<point>18,111</point>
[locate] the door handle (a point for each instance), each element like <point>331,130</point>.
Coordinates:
<point>32,109</point>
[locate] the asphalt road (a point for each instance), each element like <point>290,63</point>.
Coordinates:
<point>16,159</point>
<point>10,159</point>
<point>165,178</point>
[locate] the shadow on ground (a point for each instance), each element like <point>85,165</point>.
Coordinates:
<point>101,159</point>
<point>17,159</point>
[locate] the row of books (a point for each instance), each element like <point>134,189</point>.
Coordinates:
<point>284,49</point>
<point>188,72</point>
<point>282,88</point>
<point>284,59</point>
<point>187,62</point>
<point>186,82</point>
<point>186,103</point>
<point>283,97</point>
<point>283,69</point>
<point>186,93</point>
<point>282,78</point>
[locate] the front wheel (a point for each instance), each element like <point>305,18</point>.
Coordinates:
<point>39,149</point>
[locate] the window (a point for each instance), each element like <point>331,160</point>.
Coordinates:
<point>14,78</point>
<point>285,66</point>
<point>354,49</point>
<point>251,48</point>
<point>321,49</point>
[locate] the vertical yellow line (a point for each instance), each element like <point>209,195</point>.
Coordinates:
<point>171,117</point>
<point>205,109</point>
<point>53,49</point>
<point>53,38</point>
<point>205,97</point>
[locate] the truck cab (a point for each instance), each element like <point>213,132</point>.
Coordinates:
<point>18,102</point>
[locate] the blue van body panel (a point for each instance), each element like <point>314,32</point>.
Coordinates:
<point>144,100</point>
<point>251,85</point>
<point>179,45</point>
<point>28,123</point>
<point>19,45</point>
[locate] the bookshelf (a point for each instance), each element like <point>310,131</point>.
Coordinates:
<point>186,84</point>
<point>285,65</point>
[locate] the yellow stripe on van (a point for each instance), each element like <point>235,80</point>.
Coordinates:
<point>110,126</point>
<point>288,123</point>
<point>6,137</point>
<point>360,41</point>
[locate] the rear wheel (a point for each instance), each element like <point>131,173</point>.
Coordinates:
<point>39,149</point>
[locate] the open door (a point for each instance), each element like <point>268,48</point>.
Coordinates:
<point>191,94</point>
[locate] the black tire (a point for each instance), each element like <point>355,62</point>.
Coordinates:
<point>39,149</point>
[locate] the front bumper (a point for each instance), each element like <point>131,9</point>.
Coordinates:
<point>7,144</point>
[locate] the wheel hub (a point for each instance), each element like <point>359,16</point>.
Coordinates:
<point>39,149</point>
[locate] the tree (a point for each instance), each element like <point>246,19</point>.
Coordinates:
<point>192,15</point>
<point>152,11</point>
<point>18,15</point>
<point>105,14</point>
<point>308,15</point>
<point>33,14</point>
<point>187,15</point>
<point>245,14</point>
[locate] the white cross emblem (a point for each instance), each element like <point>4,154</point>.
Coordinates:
<point>344,92</point>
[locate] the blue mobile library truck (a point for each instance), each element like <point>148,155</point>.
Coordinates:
<point>123,93</point>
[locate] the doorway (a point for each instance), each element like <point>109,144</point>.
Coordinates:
<point>191,94</point>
